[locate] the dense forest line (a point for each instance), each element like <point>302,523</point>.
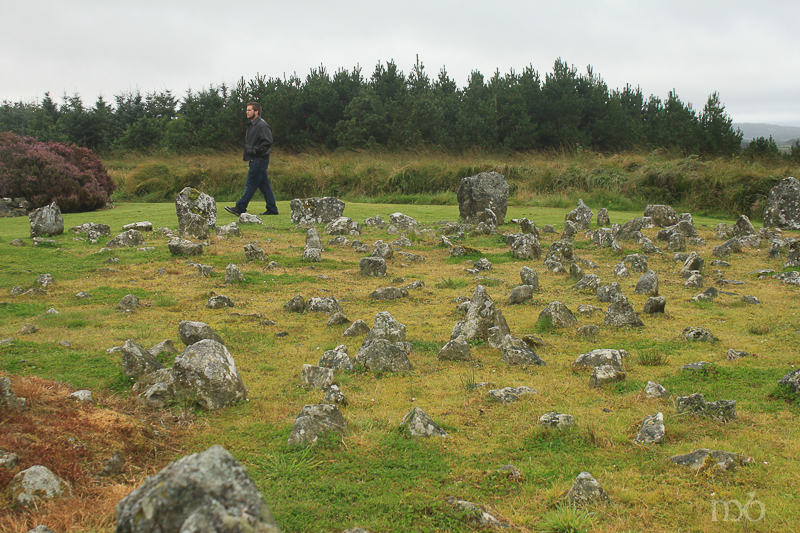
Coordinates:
<point>517,111</point>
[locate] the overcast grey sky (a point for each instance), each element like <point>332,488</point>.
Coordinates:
<point>745,50</point>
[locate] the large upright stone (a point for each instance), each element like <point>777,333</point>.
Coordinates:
<point>197,213</point>
<point>206,373</point>
<point>316,210</point>
<point>487,190</point>
<point>482,316</point>
<point>783,205</point>
<point>581,216</point>
<point>46,220</point>
<point>207,491</point>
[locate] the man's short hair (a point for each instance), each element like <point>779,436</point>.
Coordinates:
<point>256,107</point>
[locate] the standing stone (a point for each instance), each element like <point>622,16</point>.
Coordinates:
<point>316,210</point>
<point>315,421</point>
<point>558,315</point>
<point>233,274</point>
<point>526,246</point>
<point>520,294</point>
<point>206,373</point>
<point>655,304</point>
<point>487,190</point>
<point>456,350</point>
<point>419,424</point>
<point>603,220</point>
<point>600,357</point>
<point>336,359</point>
<point>46,221</point>
<point>254,253</point>
<point>586,490</point>
<point>517,352</point>
<point>652,430</point>
<point>343,226</point>
<point>136,361</point>
<point>317,377</point>
<point>372,266</point>
<point>207,491</point>
<point>178,246</point>
<point>647,284</point>
<point>783,205</point>
<point>529,277</point>
<point>581,216</point>
<point>743,226</point>
<point>620,314</point>
<point>228,230</point>
<point>197,213</point>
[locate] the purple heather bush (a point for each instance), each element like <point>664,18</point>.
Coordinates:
<point>42,172</point>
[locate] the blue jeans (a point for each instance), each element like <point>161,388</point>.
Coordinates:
<point>257,180</point>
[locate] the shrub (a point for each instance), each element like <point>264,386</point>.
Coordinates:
<point>41,172</point>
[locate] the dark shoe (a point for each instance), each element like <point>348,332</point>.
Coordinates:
<point>268,213</point>
<point>233,211</point>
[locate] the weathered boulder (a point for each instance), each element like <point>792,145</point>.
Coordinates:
<point>607,293</point>
<point>323,304</point>
<point>372,266</point>
<point>652,430</point>
<point>520,294</point>
<point>206,373</point>
<point>318,377</point>
<point>722,410</point>
<point>589,282</point>
<point>655,304</point>
<point>647,284</point>
<point>156,389</point>
<point>482,315</point>
<point>662,215</point>
<point>46,220</point>
<point>126,239</point>
<point>783,205</point>
<point>358,327</point>
<point>603,220</point>
<point>253,252</point>
<point>8,400</point>
<point>343,226</point>
<point>297,304</point>
<point>220,301</point>
<point>487,190</point>
<point>197,213</point>
<point>381,355</point>
<point>600,357</point>
<point>455,350</point>
<point>558,315</point>
<point>191,332</point>
<point>621,314</point>
<point>581,216</point>
<point>316,210</point>
<point>655,390</point>
<point>557,420</point>
<point>694,263</point>
<point>698,334</point>
<point>383,250</point>
<point>716,460</point>
<point>743,226</point>
<point>529,277</point>
<point>517,352</point>
<point>605,374</point>
<point>129,302</point>
<point>35,484</point>
<point>137,362</point>
<point>233,274</point>
<point>586,490</point>
<point>228,230</point>
<point>207,491</point>
<point>419,424</point>
<point>313,240</point>
<point>336,359</point>
<point>791,380</point>
<point>315,421</point>
<point>178,246</point>
<point>509,394</point>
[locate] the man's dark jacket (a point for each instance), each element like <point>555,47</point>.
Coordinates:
<point>257,140</point>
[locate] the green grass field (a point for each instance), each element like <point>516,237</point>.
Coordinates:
<point>378,478</point>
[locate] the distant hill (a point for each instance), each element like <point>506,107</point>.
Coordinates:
<point>779,133</point>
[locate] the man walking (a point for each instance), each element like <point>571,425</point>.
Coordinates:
<point>257,143</point>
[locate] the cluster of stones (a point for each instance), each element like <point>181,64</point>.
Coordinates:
<point>205,373</point>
